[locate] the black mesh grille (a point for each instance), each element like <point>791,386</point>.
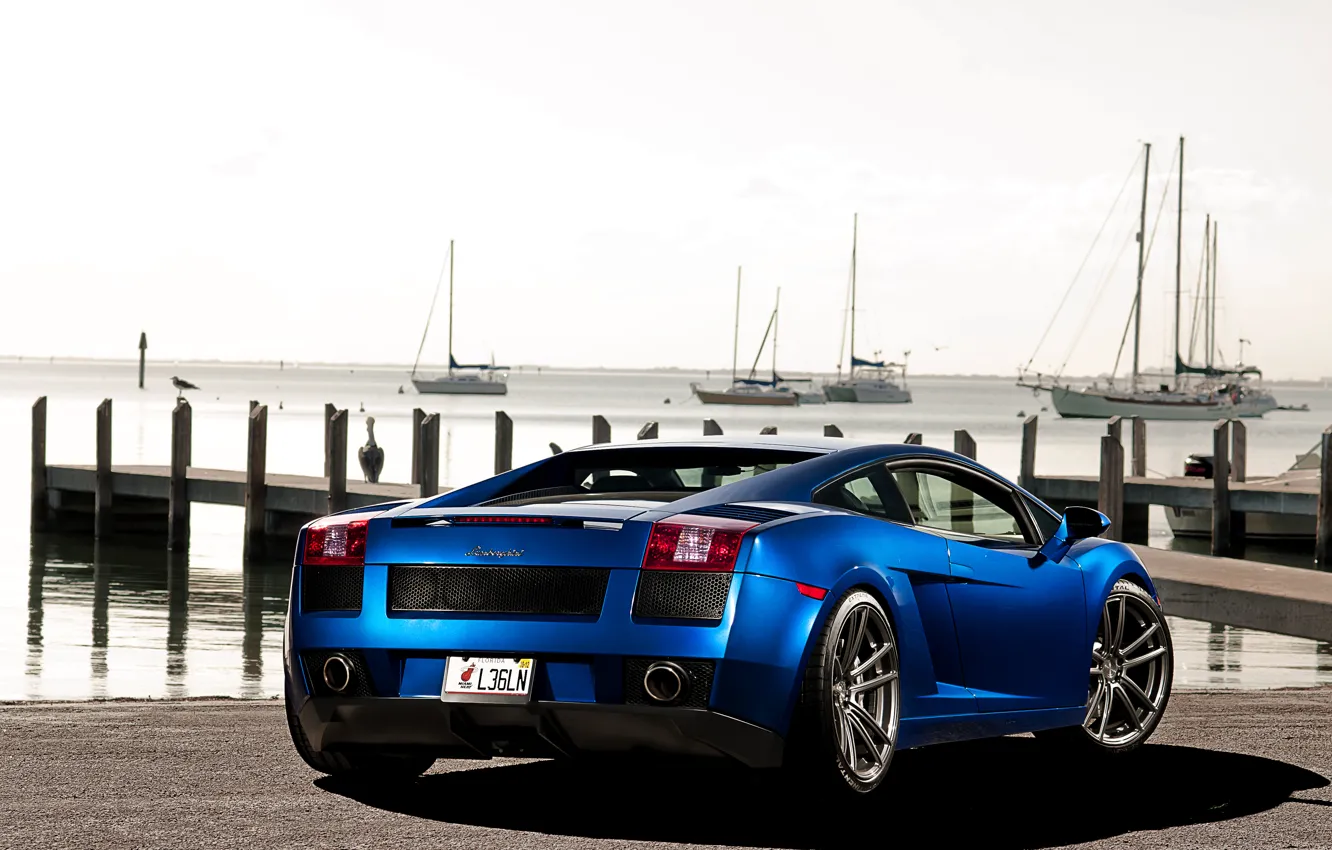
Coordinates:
<point>744,512</point>
<point>699,674</point>
<point>331,588</point>
<point>498,590</point>
<point>681,594</point>
<point>314,673</point>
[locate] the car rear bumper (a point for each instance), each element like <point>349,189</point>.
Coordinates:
<point>535,729</point>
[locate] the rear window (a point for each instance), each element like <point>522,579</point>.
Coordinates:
<point>651,474</point>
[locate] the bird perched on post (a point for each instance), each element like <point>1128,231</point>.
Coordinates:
<point>181,386</point>
<point>371,455</point>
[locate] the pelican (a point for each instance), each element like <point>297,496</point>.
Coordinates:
<point>371,455</point>
<point>181,385</point>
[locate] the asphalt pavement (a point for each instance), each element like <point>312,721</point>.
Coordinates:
<point>1225,770</point>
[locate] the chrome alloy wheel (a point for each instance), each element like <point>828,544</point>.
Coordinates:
<point>1130,672</point>
<point>864,692</point>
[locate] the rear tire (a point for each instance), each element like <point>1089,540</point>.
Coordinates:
<point>1131,672</point>
<point>845,729</point>
<point>359,766</point>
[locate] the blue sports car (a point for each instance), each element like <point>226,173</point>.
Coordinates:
<point>813,604</point>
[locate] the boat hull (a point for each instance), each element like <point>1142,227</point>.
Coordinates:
<point>447,386</point>
<point>1083,404</point>
<point>867,393</point>
<point>761,399</point>
<point>1197,522</point>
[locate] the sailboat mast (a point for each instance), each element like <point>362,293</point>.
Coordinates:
<point>1207,291</point>
<point>1142,248</point>
<point>855,227</point>
<point>450,307</point>
<point>735,348</point>
<point>775,307</point>
<point>1211,349</point>
<point>1179,252</point>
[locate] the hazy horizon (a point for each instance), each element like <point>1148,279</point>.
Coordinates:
<point>280,181</point>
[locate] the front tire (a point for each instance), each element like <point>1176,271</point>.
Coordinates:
<point>359,766</point>
<point>1132,668</point>
<point>850,700</point>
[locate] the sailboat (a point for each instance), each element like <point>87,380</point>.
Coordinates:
<point>473,379</point>
<point>1200,393</point>
<point>868,381</point>
<point>771,391</point>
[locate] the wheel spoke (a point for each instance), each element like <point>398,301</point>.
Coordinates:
<point>1108,627</point>
<point>1093,705</point>
<point>1119,624</point>
<point>873,749</point>
<point>855,635</point>
<point>1095,671</point>
<point>874,683</point>
<point>871,661</point>
<point>1144,658</point>
<point>848,742</point>
<point>1108,695</point>
<point>1141,639</point>
<point>857,711</point>
<point>1128,706</point>
<point>1132,689</point>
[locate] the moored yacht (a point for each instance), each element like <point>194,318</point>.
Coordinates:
<point>474,379</point>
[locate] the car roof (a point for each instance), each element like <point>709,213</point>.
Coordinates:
<point>823,445</point>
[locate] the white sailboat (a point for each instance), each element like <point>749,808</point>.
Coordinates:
<point>474,379</point>
<point>753,390</point>
<point>1198,393</point>
<point>868,381</point>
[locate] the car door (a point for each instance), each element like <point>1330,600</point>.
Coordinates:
<point>1020,619</point>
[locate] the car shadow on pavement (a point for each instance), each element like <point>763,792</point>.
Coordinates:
<point>1006,792</point>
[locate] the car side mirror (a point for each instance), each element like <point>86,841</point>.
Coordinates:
<point>1079,523</point>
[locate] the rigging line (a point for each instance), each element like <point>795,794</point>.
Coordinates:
<point>430,314</point>
<point>846,311</point>
<point>1123,340</point>
<point>1197,301</point>
<point>1077,337</point>
<point>753,370</point>
<point>1081,266</point>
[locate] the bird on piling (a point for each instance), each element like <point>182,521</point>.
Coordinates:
<point>371,455</point>
<point>181,385</point>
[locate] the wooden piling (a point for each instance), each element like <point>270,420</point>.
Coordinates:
<point>831,430</point>
<point>103,518</point>
<point>1115,428</point>
<point>648,431</point>
<point>601,430</point>
<point>330,410</point>
<point>337,470</point>
<point>503,442</point>
<point>1323,535</point>
<point>964,444</point>
<point>711,428</point>
<point>1110,494</point>
<point>428,458</point>
<point>256,489</point>
<point>418,416</point>
<point>1139,431</point>
<point>178,498</point>
<point>143,355</point>
<point>768,430</point>
<point>1239,462</point>
<point>913,439</point>
<point>253,405</point>
<point>1027,464</point>
<point>1221,528</point>
<point>40,501</point>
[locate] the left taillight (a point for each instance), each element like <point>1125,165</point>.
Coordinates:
<point>688,542</point>
<point>335,542</point>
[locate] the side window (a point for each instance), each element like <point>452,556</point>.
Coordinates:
<point>936,502</point>
<point>870,492</point>
<point>1047,522</point>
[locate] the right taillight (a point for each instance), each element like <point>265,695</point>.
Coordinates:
<point>688,542</point>
<point>335,542</point>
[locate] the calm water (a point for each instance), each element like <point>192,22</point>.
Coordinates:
<point>124,618</point>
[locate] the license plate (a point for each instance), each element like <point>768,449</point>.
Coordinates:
<point>474,679</point>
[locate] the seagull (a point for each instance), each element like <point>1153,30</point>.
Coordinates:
<point>371,455</point>
<point>181,385</point>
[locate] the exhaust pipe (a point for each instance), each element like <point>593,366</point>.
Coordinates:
<point>338,673</point>
<point>666,682</point>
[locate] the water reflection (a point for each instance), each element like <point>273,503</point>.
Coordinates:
<point>147,622</point>
<point>127,618</point>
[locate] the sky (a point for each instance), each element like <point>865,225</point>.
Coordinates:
<point>280,180</point>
